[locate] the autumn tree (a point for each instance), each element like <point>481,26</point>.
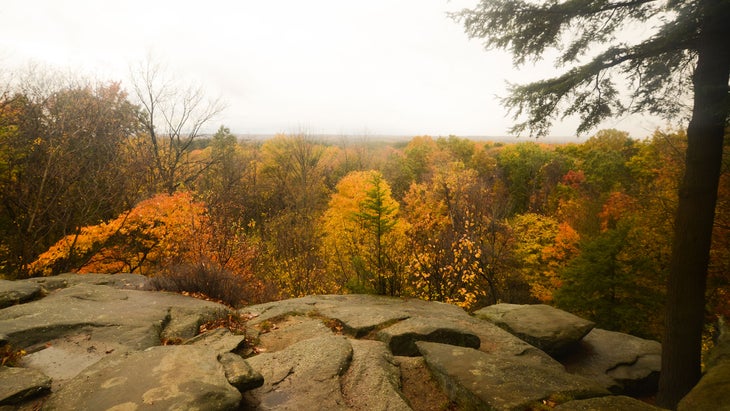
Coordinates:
<point>173,116</point>
<point>461,242</point>
<point>685,54</point>
<point>163,236</point>
<point>293,170</point>
<point>364,235</point>
<point>62,156</point>
<point>522,166</point>
<point>225,186</point>
<point>542,247</point>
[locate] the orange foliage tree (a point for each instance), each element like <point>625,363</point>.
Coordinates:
<point>154,238</point>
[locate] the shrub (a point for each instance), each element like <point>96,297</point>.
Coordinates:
<point>206,280</point>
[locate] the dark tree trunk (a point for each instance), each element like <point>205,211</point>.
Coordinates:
<point>681,348</point>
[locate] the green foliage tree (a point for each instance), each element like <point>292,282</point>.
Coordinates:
<point>686,54</point>
<point>607,283</point>
<point>522,167</point>
<point>604,160</point>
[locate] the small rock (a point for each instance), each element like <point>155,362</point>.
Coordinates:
<point>401,337</point>
<point>547,328</point>
<point>18,292</point>
<point>239,373</point>
<point>20,384</point>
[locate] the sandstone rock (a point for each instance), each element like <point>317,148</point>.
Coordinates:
<point>17,292</point>
<point>358,324</point>
<point>609,403</point>
<point>277,310</point>
<point>184,320</point>
<point>220,340</point>
<point>19,384</point>
<point>711,393</point>
<point>131,318</point>
<point>94,340</point>
<point>75,327</point>
<point>477,380</point>
<point>119,281</point>
<point>159,378</point>
<point>239,373</point>
<point>552,330</point>
<point>304,376</point>
<point>373,380</point>
<point>291,330</point>
<point>620,362</point>
<point>65,357</point>
<point>401,337</point>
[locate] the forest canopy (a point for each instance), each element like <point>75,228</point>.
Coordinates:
<point>586,226</point>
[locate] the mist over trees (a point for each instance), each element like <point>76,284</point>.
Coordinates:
<point>94,179</point>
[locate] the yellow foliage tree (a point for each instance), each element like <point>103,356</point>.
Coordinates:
<point>542,247</point>
<point>364,239</point>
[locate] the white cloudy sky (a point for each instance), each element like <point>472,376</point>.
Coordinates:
<point>391,67</point>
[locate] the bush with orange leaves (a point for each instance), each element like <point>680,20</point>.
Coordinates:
<point>163,236</point>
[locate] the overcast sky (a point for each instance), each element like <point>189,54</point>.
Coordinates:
<point>346,67</point>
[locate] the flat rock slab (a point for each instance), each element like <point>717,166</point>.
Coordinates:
<point>65,357</point>
<point>622,363</point>
<point>304,376</point>
<point>552,330</point>
<point>18,292</point>
<point>358,324</point>
<point>401,337</point>
<point>159,378</point>
<point>345,309</point>
<point>477,380</point>
<point>20,384</point>
<point>131,318</point>
<point>120,281</point>
<point>291,330</point>
<point>608,403</point>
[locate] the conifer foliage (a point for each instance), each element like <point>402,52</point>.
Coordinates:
<point>685,55</point>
